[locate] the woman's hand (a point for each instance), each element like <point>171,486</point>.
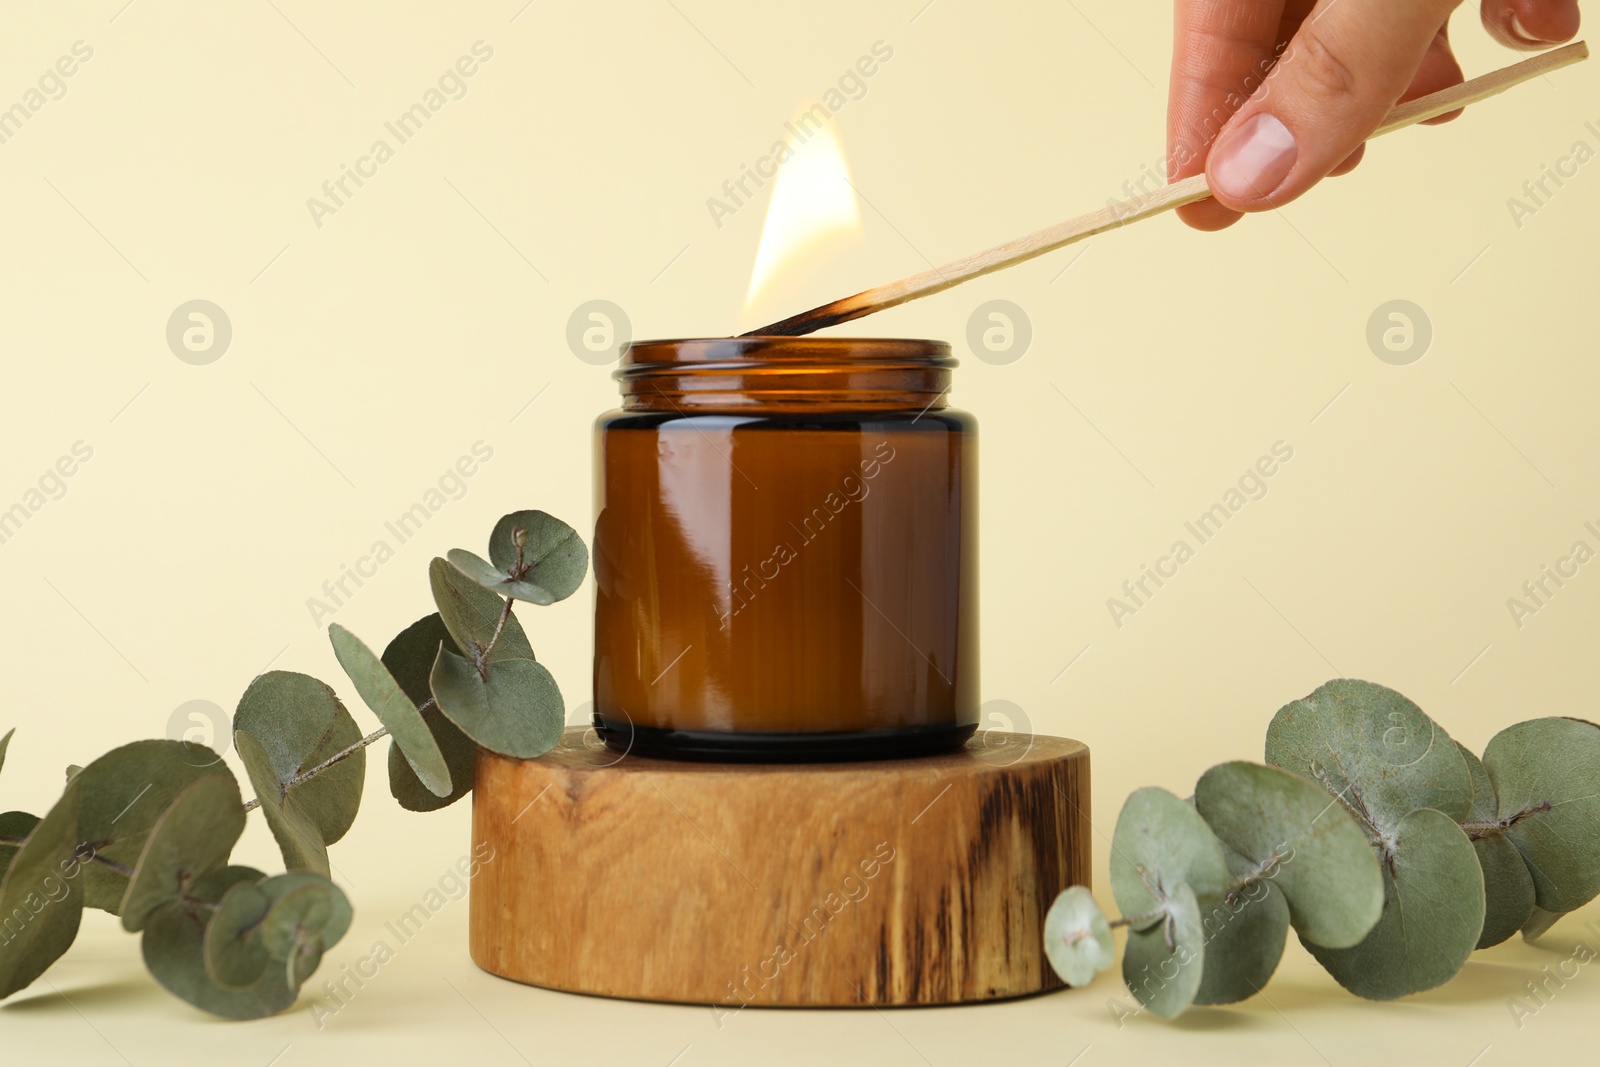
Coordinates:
<point>1269,97</point>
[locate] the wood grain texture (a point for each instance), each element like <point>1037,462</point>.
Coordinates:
<point>1119,213</point>
<point>919,881</point>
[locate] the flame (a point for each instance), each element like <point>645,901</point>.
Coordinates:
<point>812,214</point>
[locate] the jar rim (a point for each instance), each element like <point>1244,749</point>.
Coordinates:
<point>753,352</point>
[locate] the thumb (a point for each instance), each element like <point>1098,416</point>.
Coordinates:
<point>1345,67</point>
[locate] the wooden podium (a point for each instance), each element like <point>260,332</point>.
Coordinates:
<point>900,882</point>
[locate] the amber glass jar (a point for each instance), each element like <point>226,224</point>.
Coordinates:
<point>786,551</point>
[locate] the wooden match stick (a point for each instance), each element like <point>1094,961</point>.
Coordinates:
<point>1186,191</point>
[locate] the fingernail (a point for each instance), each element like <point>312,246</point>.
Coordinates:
<point>1523,33</point>
<point>1251,161</point>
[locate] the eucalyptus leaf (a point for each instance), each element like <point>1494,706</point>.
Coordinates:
<point>212,886</point>
<point>409,658</point>
<point>472,615</point>
<point>298,723</point>
<point>303,963</point>
<point>497,581</point>
<point>294,828</point>
<point>1373,748</point>
<point>553,556</point>
<point>15,825</point>
<point>235,956</point>
<point>5,743</point>
<point>192,838</point>
<point>1432,914</point>
<point>340,915</point>
<point>174,952</point>
<point>1507,886</point>
<point>1245,931</point>
<point>460,756</point>
<point>1077,937</point>
<point>393,708</point>
<point>40,905</point>
<point>123,793</point>
<point>1546,775</point>
<point>516,710</point>
<point>1161,841</point>
<point>294,918</point>
<point>1163,964</point>
<point>1305,841</point>
<point>1539,923</point>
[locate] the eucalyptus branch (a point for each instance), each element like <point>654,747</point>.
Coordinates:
<point>284,719</point>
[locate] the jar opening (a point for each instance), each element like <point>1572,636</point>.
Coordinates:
<point>735,373</point>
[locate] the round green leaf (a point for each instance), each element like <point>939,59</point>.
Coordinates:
<point>496,581</point>
<point>234,954</point>
<point>1508,890</point>
<point>194,836</point>
<point>16,825</point>
<point>212,886</point>
<point>553,556</point>
<point>174,952</point>
<point>39,901</point>
<point>460,756</point>
<point>295,829</point>
<point>1374,748</point>
<point>471,613</point>
<point>1162,964</point>
<point>298,723</point>
<point>1159,842</point>
<point>1432,914</point>
<point>409,658</point>
<point>1077,938</point>
<point>393,708</point>
<point>296,917</point>
<point>1546,774</point>
<point>340,915</point>
<point>175,949</point>
<point>303,962</point>
<point>1507,886</point>
<point>1305,841</point>
<point>123,793</point>
<point>1539,923</point>
<point>515,711</point>
<point>1245,931</point>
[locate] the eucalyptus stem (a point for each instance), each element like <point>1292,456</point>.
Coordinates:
<point>1477,831</point>
<point>1264,870</point>
<point>494,639</point>
<point>125,871</point>
<point>92,857</point>
<point>338,757</point>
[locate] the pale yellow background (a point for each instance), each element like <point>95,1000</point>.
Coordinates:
<point>370,353</point>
